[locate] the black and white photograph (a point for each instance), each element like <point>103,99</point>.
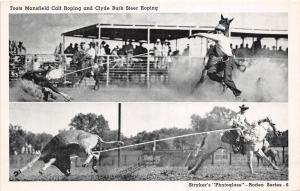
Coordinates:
<point>148,142</point>
<point>153,57</point>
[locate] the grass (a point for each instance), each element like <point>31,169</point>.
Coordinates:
<point>154,173</point>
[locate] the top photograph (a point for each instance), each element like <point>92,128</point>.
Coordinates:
<point>156,57</point>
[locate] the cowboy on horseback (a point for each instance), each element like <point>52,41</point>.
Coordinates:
<point>241,122</point>
<point>221,61</point>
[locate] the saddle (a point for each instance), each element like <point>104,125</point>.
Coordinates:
<point>234,138</point>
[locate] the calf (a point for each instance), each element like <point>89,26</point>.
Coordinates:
<point>59,150</point>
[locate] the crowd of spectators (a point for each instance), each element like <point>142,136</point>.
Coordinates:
<point>161,51</point>
<point>257,50</point>
<point>104,49</point>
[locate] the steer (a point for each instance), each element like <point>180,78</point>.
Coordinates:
<point>59,150</point>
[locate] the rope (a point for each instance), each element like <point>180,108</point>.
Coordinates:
<point>92,66</point>
<point>169,138</point>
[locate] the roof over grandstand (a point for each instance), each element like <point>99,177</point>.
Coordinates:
<point>139,32</point>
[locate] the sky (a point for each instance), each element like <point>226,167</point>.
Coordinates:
<point>136,117</point>
<point>41,33</point>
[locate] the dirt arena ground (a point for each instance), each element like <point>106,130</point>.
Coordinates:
<point>113,93</point>
<point>154,173</point>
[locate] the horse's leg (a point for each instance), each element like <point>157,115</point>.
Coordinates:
<point>249,160</point>
<point>97,80</point>
<point>258,159</point>
<point>199,164</point>
<point>262,154</point>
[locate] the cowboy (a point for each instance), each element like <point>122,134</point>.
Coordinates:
<point>220,63</point>
<point>241,122</point>
<point>91,54</point>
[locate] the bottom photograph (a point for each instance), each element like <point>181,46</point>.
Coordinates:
<point>148,141</point>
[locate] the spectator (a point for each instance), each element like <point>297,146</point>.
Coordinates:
<point>107,49</point>
<point>166,49</point>
<point>256,46</point>
<point>140,49</point>
<point>186,51</point>
<point>157,53</point>
<point>75,49</point>
<point>21,49</point>
<point>82,46</point>
<point>69,49</point>
<point>36,65</point>
<point>128,49</point>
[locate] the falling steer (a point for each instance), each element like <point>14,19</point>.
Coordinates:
<point>59,150</point>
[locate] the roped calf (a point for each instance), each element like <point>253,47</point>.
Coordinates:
<point>59,150</point>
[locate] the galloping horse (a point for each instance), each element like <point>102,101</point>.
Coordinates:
<point>214,141</point>
<point>88,68</point>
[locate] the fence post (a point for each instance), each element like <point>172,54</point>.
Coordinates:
<point>213,159</point>
<point>107,71</point>
<point>230,158</point>
<point>283,158</point>
<point>125,160</point>
<point>154,149</point>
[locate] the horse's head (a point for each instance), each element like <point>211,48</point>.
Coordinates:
<point>224,23</point>
<point>269,121</point>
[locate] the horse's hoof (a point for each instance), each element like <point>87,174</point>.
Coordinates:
<point>275,168</point>
<point>95,170</point>
<point>192,172</point>
<point>41,172</point>
<point>84,165</point>
<point>17,172</point>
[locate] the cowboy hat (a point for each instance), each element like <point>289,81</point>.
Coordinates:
<point>243,107</point>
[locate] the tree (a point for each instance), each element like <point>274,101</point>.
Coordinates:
<point>16,138</point>
<point>90,122</point>
<point>215,119</point>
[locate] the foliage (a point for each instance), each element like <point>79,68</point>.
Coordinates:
<point>218,118</point>
<point>18,138</point>
<point>90,122</point>
<point>280,141</point>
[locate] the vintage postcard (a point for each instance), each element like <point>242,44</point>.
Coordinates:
<point>147,95</point>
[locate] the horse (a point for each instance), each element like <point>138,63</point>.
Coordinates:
<point>88,68</point>
<point>215,69</point>
<point>41,81</point>
<point>269,152</point>
<point>213,141</point>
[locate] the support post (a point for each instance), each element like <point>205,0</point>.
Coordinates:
<point>190,58</point>
<point>107,71</point>
<point>119,133</point>
<point>230,158</point>
<point>148,58</point>
<point>63,59</point>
